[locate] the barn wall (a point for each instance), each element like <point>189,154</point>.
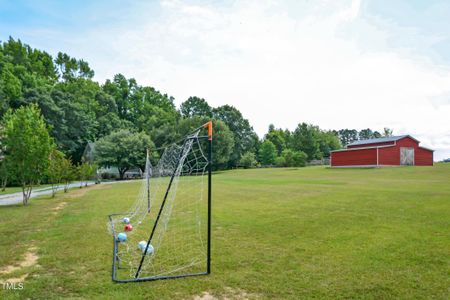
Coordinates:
<point>354,157</point>
<point>423,157</point>
<point>407,142</point>
<point>389,156</point>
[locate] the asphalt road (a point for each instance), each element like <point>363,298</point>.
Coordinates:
<point>17,198</point>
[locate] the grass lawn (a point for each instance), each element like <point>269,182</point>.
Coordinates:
<point>277,234</point>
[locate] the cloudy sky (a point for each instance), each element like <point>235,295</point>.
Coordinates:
<point>337,64</point>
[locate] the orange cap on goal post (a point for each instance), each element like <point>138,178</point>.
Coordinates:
<point>209,126</point>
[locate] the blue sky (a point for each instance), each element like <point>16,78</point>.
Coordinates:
<point>334,63</point>
<point>424,25</point>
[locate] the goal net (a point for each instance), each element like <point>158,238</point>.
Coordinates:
<point>166,232</point>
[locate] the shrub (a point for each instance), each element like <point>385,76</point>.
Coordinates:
<point>248,160</point>
<point>280,161</point>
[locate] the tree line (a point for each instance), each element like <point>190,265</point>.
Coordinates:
<point>123,118</point>
<point>347,136</point>
<point>29,156</point>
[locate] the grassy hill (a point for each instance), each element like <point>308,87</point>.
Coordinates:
<point>277,233</point>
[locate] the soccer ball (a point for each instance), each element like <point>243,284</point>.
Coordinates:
<point>128,227</point>
<point>143,244</point>
<point>122,237</point>
<point>126,220</point>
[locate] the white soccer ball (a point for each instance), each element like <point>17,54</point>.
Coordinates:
<point>126,220</point>
<point>143,244</point>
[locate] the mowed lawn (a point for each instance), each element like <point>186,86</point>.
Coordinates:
<point>277,234</point>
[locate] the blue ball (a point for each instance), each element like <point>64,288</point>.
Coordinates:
<point>122,237</point>
<point>126,220</point>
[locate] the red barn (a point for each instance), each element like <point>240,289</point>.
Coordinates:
<point>385,151</point>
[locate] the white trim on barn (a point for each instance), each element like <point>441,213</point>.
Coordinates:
<point>363,148</point>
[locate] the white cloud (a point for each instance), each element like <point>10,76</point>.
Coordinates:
<point>280,63</point>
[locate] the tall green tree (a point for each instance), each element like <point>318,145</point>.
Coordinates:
<point>122,89</point>
<point>368,134</point>
<point>306,138</point>
<point>348,136</point>
<point>86,171</point>
<point>223,140</point>
<point>78,122</point>
<point>10,85</point>
<point>277,137</point>
<point>4,174</point>
<point>55,171</point>
<point>70,68</point>
<point>365,134</point>
<point>68,172</point>
<point>245,138</point>
<point>195,106</point>
<point>29,145</point>
<point>267,153</point>
<point>387,131</point>
<point>3,168</point>
<point>328,141</point>
<point>145,108</point>
<point>123,149</point>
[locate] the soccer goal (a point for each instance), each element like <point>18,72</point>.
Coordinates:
<point>167,231</point>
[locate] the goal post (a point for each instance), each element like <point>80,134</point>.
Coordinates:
<point>209,126</point>
<point>167,232</point>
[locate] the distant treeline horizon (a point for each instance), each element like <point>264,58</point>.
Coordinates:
<point>79,110</point>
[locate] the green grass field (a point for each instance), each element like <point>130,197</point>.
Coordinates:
<point>277,234</point>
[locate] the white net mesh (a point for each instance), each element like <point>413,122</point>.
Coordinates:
<point>178,193</point>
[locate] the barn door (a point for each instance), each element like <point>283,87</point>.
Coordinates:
<point>406,156</point>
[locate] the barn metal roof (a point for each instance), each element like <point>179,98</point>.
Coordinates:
<point>379,140</point>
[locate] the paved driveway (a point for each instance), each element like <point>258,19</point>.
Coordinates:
<point>17,198</point>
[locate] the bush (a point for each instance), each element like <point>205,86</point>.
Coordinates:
<point>300,158</point>
<point>248,160</point>
<point>108,176</point>
<point>280,161</point>
<point>288,156</point>
<point>292,158</point>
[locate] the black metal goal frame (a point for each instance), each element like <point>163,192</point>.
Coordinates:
<point>116,261</point>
